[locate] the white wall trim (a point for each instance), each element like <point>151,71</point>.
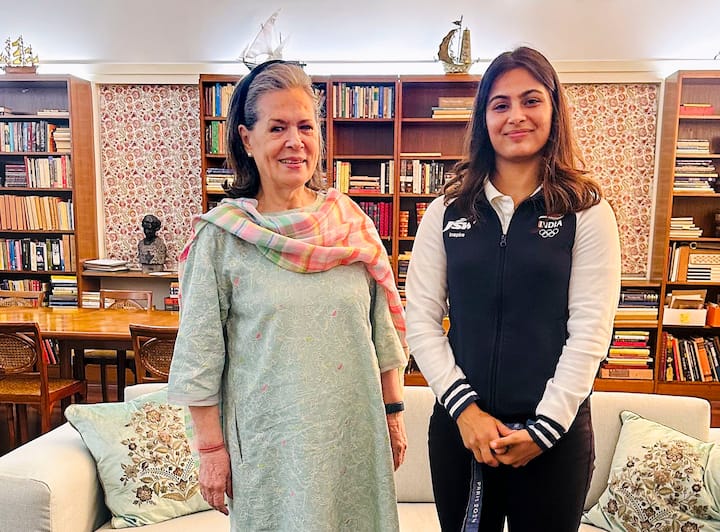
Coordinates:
<point>593,71</point>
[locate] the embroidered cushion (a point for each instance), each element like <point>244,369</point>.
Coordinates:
<point>143,456</point>
<point>660,479</point>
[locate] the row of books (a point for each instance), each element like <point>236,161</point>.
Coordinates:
<point>36,213</point>
<point>43,172</point>
<point>24,285</point>
<point>380,212</point>
<point>51,254</point>
<point>346,182</point>
<point>363,101</point>
<point>39,135</point>
<point>693,359</point>
<point>453,107</point>
<point>629,356</point>
<point>217,99</point>
<point>422,177</point>
<point>215,138</point>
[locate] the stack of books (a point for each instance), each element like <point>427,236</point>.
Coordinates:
<point>61,136</point>
<point>695,175</point>
<point>64,291</point>
<point>683,227</point>
<point>628,357</point>
<point>216,177</point>
<point>106,265</point>
<point>692,147</point>
<point>90,299</point>
<point>172,302</point>
<point>637,304</point>
<point>453,107</point>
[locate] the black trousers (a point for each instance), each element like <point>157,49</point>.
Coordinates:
<point>547,494</point>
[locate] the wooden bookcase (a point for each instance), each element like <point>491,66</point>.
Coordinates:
<point>27,96</point>
<point>685,87</point>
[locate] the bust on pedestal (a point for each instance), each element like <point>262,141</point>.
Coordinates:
<point>151,249</point>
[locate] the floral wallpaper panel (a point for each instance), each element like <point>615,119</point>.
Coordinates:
<point>150,157</point>
<point>616,127</point>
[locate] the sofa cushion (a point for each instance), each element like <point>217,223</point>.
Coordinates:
<point>143,458</point>
<point>660,479</point>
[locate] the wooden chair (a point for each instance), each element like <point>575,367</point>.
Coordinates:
<point>130,300</point>
<point>153,347</point>
<point>24,378</point>
<point>19,298</point>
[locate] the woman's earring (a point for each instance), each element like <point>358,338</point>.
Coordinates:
<point>249,154</point>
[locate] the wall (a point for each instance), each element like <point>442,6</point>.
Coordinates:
<point>149,151</point>
<point>113,39</point>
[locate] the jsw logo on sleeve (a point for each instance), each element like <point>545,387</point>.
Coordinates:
<point>457,227</point>
<point>549,226</point>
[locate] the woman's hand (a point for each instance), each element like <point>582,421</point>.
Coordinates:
<point>517,447</point>
<point>478,429</point>
<point>216,478</point>
<point>398,438</point>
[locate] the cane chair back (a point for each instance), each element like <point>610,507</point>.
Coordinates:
<point>126,299</point>
<point>153,348</point>
<point>24,378</point>
<point>130,300</point>
<point>19,298</point>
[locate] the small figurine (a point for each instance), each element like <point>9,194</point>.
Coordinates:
<point>151,249</point>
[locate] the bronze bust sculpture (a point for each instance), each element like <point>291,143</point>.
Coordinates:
<point>151,249</point>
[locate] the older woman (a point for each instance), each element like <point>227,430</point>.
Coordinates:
<point>290,320</point>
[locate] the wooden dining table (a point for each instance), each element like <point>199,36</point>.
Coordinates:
<point>85,328</point>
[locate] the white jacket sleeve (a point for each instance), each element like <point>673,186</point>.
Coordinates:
<point>592,299</point>
<point>426,293</point>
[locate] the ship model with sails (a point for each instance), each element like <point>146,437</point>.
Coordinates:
<point>454,51</point>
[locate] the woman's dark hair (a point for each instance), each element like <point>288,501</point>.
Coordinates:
<point>267,77</point>
<point>566,185</point>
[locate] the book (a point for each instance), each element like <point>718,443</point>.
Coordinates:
<point>106,265</point>
<point>626,373</point>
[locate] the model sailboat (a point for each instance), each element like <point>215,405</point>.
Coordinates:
<point>18,56</point>
<point>454,50</point>
<point>267,45</point>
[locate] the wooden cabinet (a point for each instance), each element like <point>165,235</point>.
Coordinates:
<point>687,185</point>
<point>47,178</point>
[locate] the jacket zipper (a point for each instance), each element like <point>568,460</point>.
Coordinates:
<point>498,327</point>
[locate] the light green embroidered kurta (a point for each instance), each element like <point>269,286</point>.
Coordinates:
<point>300,390</point>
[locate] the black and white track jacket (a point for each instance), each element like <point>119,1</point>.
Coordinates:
<point>531,304</point>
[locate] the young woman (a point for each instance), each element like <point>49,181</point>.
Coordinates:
<point>291,322</point>
<point>524,253</point>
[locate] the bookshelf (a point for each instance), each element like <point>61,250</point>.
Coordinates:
<point>47,179</point>
<point>687,185</point>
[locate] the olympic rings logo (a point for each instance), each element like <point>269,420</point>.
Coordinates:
<point>548,233</point>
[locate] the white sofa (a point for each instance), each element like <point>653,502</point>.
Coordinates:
<point>50,484</point>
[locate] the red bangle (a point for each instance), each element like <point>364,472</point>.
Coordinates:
<point>211,448</point>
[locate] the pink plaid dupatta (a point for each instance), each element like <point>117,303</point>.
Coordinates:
<point>337,233</point>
